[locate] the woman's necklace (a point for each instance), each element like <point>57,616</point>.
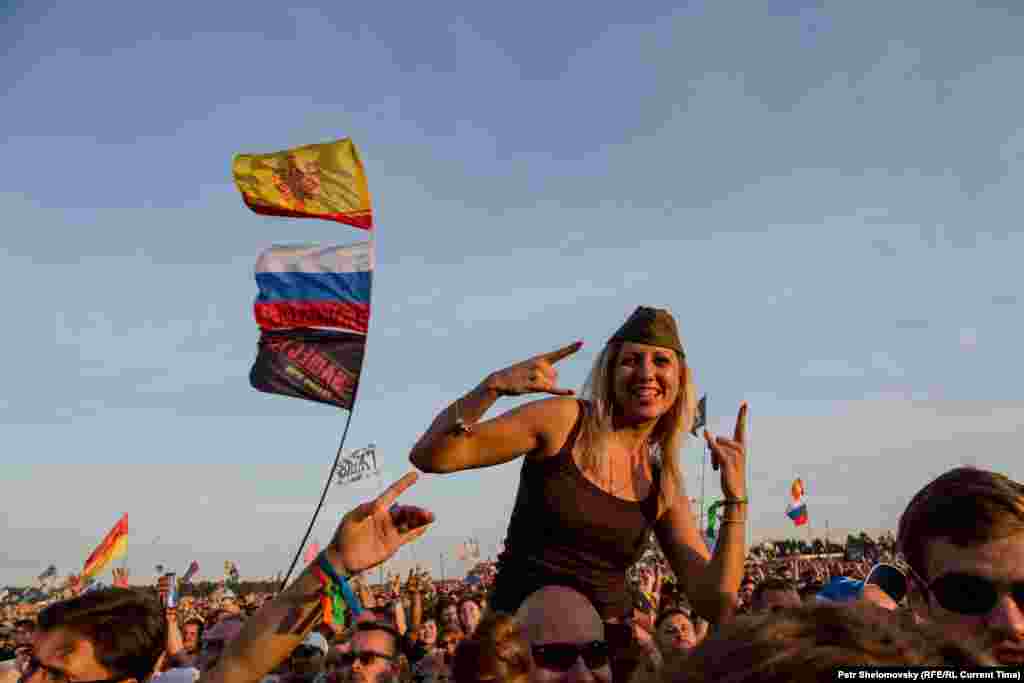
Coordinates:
<point>625,484</point>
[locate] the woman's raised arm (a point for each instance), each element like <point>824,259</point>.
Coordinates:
<point>456,442</point>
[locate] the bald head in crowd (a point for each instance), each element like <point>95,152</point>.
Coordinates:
<point>554,617</point>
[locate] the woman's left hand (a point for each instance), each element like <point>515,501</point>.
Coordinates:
<point>730,455</point>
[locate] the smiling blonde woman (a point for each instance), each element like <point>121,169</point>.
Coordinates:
<point>600,473</point>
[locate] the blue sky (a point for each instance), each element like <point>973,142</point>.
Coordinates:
<point>824,194</point>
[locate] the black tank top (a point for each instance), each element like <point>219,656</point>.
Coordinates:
<point>567,531</point>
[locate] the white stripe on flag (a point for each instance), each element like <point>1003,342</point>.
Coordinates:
<point>354,258</point>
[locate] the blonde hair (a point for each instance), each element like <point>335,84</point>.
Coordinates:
<point>669,433</point>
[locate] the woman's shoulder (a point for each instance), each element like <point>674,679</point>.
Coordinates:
<point>557,417</point>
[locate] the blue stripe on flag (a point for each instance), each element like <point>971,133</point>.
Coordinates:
<point>351,287</point>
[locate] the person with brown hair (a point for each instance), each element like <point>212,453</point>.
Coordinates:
<point>808,643</point>
<point>962,537</point>
<point>498,651</point>
<point>599,474</point>
<point>111,635</point>
<point>773,595</point>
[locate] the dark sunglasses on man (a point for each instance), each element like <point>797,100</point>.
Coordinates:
<point>54,675</point>
<point>562,656</point>
<point>365,657</point>
<point>306,652</point>
<point>969,594</point>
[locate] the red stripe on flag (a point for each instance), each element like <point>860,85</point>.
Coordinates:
<point>343,315</point>
<point>357,219</point>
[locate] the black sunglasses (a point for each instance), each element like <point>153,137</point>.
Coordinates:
<point>971,595</point>
<point>365,657</point>
<point>890,579</point>
<point>561,656</point>
<point>55,675</point>
<point>305,652</point>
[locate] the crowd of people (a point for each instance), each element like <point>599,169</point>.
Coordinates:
<point>604,575</point>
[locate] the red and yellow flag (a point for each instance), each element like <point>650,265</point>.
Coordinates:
<point>113,546</point>
<point>315,181</point>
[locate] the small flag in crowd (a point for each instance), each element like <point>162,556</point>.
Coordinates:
<point>231,575</point>
<point>190,573</point>
<point>358,465</point>
<point>314,181</point>
<point>797,508</point>
<point>701,418</point>
<point>113,546</point>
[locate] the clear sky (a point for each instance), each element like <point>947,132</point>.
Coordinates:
<point>822,193</point>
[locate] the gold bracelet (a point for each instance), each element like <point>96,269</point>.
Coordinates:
<point>735,501</point>
<point>733,521</point>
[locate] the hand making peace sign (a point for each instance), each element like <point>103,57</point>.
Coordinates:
<point>730,455</point>
<point>537,374</point>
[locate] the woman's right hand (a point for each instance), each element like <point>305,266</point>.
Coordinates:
<point>537,374</point>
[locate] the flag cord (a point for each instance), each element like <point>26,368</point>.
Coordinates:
<point>323,496</point>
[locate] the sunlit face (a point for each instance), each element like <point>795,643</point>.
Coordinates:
<point>63,656</point>
<point>469,615</point>
<point>190,637</point>
<point>645,381</point>
<point>428,633</point>
<point>999,562</point>
<point>370,659</point>
<point>676,633</point>
<point>23,635</point>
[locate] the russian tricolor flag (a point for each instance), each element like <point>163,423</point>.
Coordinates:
<point>315,287</point>
<point>797,509</point>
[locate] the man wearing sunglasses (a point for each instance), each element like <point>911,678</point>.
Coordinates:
<point>306,665</point>
<point>373,655</point>
<point>117,635</point>
<point>566,637</point>
<point>962,536</point>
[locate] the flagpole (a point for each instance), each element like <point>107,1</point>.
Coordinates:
<point>323,496</point>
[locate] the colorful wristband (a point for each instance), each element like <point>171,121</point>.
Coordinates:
<point>346,591</point>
